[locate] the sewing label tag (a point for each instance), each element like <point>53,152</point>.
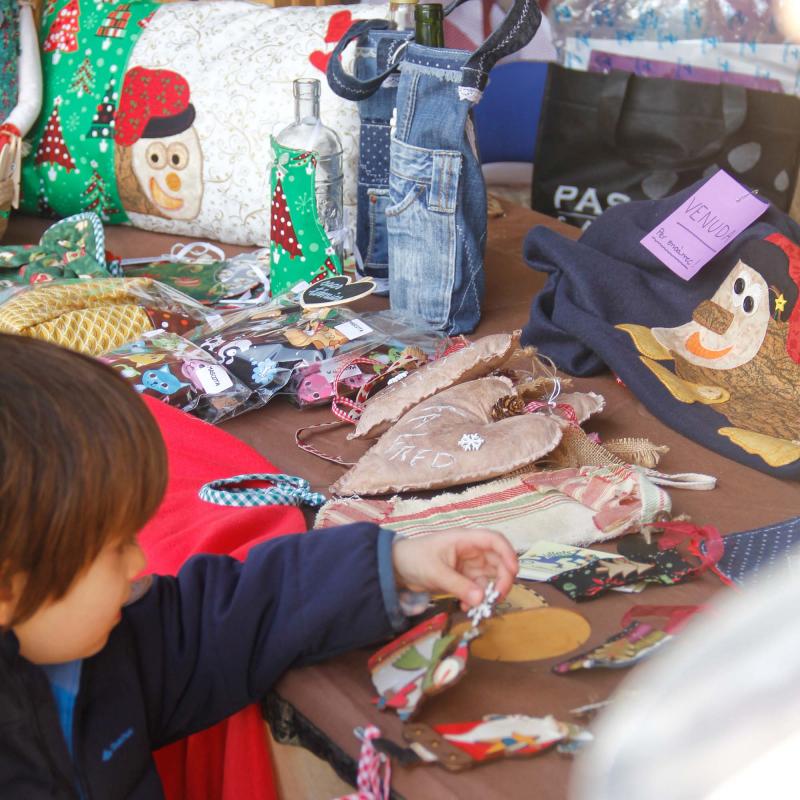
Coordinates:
<point>214,379</point>
<point>711,218</point>
<point>353,329</point>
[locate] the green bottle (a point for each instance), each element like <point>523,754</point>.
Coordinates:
<point>429,21</point>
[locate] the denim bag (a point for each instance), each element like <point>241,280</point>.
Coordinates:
<point>435,212</point>
<point>375,53</point>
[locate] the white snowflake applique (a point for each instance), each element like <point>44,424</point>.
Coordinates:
<point>471,442</point>
<point>264,371</point>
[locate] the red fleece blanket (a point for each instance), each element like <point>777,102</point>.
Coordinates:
<point>229,761</point>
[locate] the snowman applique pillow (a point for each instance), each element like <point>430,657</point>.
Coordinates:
<point>160,114</point>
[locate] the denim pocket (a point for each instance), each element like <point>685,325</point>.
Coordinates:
<point>421,223</point>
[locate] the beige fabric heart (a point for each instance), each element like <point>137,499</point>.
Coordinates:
<point>449,440</point>
<point>473,361</point>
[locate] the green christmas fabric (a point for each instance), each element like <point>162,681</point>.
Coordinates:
<point>300,249</point>
<point>9,56</point>
<point>85,49</point>
<point>72,248</point>
<point>206,283</point>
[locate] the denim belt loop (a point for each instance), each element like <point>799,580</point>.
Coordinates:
<point>445,171</point>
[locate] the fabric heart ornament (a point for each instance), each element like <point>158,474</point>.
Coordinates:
<point>474,361</point>
<point>337,26</point>
<point>450,439</point>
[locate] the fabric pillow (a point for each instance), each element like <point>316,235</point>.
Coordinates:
<point>473,361</point>
<point>716,357</point>
<point>161,114</point>
<point>451,439</point>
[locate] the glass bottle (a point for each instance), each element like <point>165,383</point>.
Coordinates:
<point>429,24</point>
<point>308,133</point>
<point>401,14</point>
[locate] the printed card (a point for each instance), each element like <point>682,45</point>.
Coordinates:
<point>711,218</point>
<point>544,560</point>
<point>353,329</point>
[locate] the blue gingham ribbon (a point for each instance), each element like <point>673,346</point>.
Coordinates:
<point>286,490</point>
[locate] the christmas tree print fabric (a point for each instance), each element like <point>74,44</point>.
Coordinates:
<point>85,48</point>
<point>71,248</point>
<point>160,114</point>
<point>300,249</point>
<point>9,54</point>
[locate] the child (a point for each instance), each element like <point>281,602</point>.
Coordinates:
<point>98,669</point>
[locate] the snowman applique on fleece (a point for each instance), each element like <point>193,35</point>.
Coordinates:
<point>158,160</point>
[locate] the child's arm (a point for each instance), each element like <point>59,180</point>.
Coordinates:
<point>217,637</point>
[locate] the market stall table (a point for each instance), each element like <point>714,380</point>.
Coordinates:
<point>319,706</point>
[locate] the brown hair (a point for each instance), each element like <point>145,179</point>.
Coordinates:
<point>82,463</point>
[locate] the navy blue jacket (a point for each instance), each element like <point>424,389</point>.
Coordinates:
<point>193,650</point>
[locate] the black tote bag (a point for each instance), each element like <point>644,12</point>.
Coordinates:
<point>608,138</point>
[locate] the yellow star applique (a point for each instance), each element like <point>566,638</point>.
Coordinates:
<point>780,303</point>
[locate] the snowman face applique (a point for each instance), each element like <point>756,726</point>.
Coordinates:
<point>169,172</point>
<point>726,331</point>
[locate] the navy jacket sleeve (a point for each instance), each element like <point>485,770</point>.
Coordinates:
<point>216,637</point>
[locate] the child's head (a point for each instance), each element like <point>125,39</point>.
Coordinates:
<point>82,468</point>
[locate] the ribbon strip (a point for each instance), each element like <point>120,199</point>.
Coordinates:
<point>371,785</point>
<point>286,490</point>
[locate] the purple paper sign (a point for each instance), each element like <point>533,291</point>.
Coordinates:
<point>694,233</point>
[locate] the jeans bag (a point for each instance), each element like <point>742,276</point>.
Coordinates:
<point>436,207</point>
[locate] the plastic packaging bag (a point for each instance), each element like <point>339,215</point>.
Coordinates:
<point>365,365</point>
<point>96,316</point>
<point>262,346</point>
<point>176,371</point>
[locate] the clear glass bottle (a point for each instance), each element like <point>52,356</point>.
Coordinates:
<point>401,14</point>
<point>307,132</point>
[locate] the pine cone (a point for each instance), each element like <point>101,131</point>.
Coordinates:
<point>509,406</point>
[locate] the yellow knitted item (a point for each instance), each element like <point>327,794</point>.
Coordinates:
<point>91,317</point>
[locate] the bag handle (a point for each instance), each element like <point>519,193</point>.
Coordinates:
<point>348,86</point>
<point>615,95</point>
<point>516,30</point>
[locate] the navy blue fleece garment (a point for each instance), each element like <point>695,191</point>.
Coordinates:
<point>607,278</point>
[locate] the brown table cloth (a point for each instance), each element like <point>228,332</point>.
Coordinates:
<point>333,698</point>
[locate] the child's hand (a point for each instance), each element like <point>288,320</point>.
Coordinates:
<point>460,562</point>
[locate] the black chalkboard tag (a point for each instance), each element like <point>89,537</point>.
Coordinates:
<point>335,291</point>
